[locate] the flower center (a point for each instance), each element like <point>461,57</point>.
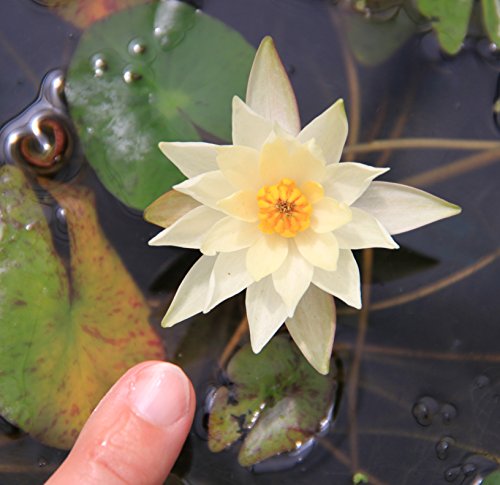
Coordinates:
<point>283,209</point>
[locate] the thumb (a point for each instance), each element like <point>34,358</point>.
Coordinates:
<point>137,431</point>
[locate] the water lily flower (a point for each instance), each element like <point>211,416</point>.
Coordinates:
<point>277,214</point>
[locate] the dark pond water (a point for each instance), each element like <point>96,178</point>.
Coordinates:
<point>421,397</point>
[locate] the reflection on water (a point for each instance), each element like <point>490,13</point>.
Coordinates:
<point>428,392</point>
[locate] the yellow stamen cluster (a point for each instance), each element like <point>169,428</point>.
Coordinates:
<point>283,209</point>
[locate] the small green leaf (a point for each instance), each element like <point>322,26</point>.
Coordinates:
<point>493,479</point>
<point>63,341</point>
<point>276,402</point>
<point>491,19</point>
<point>450,19</point>
<point>160,72</point>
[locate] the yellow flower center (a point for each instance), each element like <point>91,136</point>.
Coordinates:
<point>283,209</point>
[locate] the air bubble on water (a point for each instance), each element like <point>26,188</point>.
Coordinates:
<point>443,447</point>
<point>98,64</point>
<point>448,412</point>
<point>137,47</point>
<point>424,410</point>
<point>452,473</point>
<point>481,381</point>
<point>130,76</point>
<point>42,462</point>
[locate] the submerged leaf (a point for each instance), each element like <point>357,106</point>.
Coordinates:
<point>63,343</point>
<point>276,402</point>
<point>154,73</point>
<point>83,13</point>
<point>450,19</point>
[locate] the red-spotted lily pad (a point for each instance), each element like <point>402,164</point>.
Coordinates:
<point>64,339</point>
<point>275,403</point>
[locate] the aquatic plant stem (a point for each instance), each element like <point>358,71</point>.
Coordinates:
<point>344,459</point>
<point>421,143</point>
<point>353,380</point>
<point>427,290</point>
<point>454,169</point>
<point>238,334</point>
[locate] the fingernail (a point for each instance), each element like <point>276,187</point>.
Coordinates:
<point>160,394</point>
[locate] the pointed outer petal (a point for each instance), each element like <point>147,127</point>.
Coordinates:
<point>229,277</point>
<point>286,158</point>
<point>292,279</point>
<point>401,208</point>
<point>328,215</point>
<point>192,293</point>
<point>347,181</point>
<point>189,230</point>
<point>240,166</point>
<point>313,328</point>
<point>313,191</point>
<point>266,255</point>
<point>321,250</point>
<point>344,283</point>
<point>229,234</point>
<point>207,188</point>
<point>191,158</point>
<point>266,312</point>
<point>364,231</point>
<point>168,208</point>
<point>249,128</point>
<point>329,129</point>
<point>242,205</point>
<point>269,92</point>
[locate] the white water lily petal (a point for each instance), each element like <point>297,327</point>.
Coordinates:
<point>329,130</point>
<point>266,312</point>
<point>168,208</point>
<point>321,250</point>
<point>207,188</point>
<point>191,158</point>
<point>328,215</point>
<point>189,230</point>
<point>240,166</point>
<point>286,158</point>
<point>313,328</point>
<point>242,205</point>
<point>249,128</point>
<point>364,231</point>
<point>266,255</point>
<point>344,283</point>
<point>191,295</point>
<point>347,181</point>
<point>269,92</point>
<point>313,191</point>
<point>292,279</point>
<point>401,208</point>
<point>228,235</point>
<point>229,277</point>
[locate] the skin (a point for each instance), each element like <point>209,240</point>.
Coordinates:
<point>136,432</point>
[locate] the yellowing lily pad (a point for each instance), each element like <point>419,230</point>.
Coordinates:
<point>275,403</point>
<point>159,72</point>
<point>63,340</point>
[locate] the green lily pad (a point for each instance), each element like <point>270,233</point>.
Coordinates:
<point>276,402</point>
<point>159,72</point>
<point>491,19</point>
<point>450,19</point>
<point>63,341</point>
